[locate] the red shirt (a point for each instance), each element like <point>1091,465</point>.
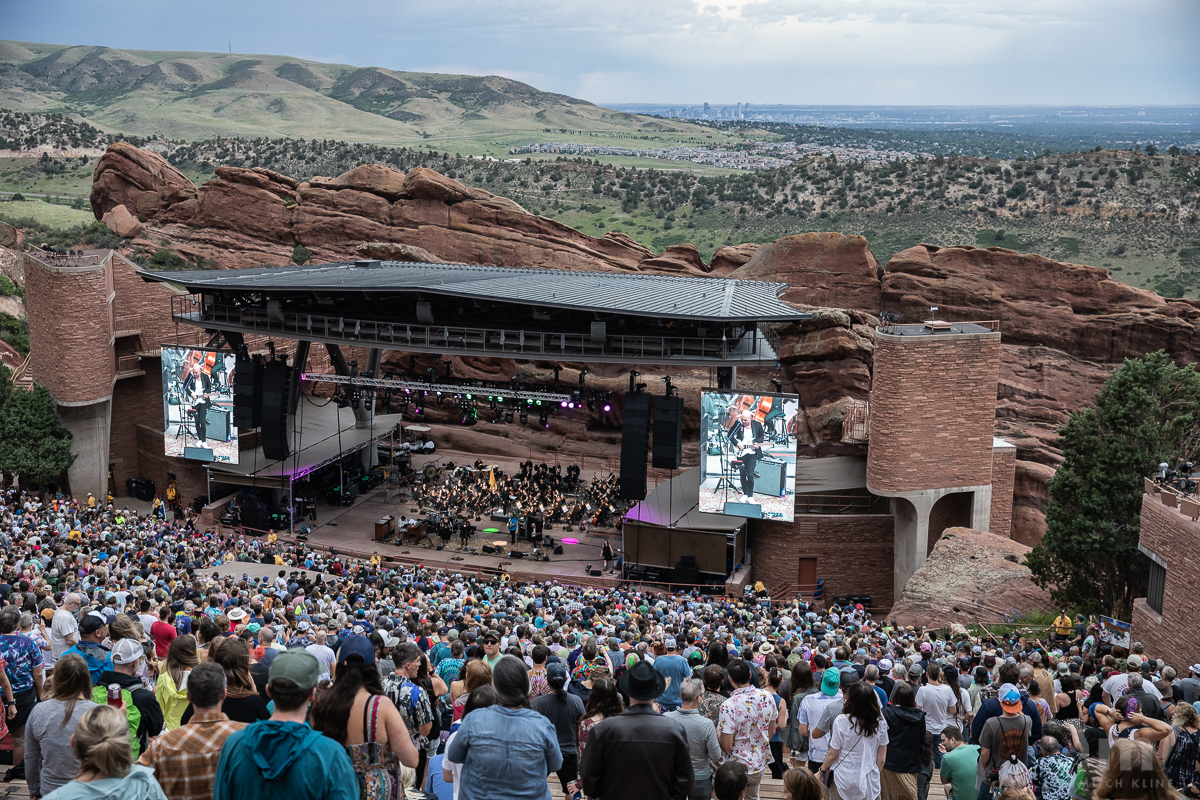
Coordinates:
<point>163,634</point>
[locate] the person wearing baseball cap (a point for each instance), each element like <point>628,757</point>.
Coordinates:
<point>283,758</point>
<point>1005,735</point>
<point>126,656</point>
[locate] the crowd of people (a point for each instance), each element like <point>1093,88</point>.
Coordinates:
<point>130,668</point>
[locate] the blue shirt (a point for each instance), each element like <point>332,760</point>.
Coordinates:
<point>505,752</point>
<point>676,668</point>
<point>22,657</point>
<point>284,760</point>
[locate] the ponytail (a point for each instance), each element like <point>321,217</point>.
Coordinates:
<point>560,690</point>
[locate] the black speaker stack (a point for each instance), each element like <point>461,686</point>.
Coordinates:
<point>275,393</point>
<point>667,449</point>
<point>634,432</point>
<point>247,393</point>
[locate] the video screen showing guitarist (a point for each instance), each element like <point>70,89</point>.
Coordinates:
<point>746,439</point>
<point>201,407</point>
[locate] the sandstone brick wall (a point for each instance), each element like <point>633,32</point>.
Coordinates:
<point>854,553</point>
<point>141,306</point>
<point>933,409</point>
<point>1004,475</point>
<point>136,401</point>
<point>69,333</point>
<point>1172,635</point>
<point>191,477</point>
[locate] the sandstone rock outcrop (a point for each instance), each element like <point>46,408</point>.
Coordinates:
<point>122,223</point>
<point>728,258</point>
<point>824,269</point>
<point>141,180</point>
<point>970,577</point>
<point>1074,308</point>
<point>8,235</point>
<point>386,251</point>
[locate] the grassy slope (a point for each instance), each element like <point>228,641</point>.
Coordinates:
<point>196,95</point>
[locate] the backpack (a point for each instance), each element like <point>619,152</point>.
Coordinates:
<point>1014,749</point>
<point>132,715</point>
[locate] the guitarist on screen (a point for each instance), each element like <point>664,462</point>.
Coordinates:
<point>746,438</point>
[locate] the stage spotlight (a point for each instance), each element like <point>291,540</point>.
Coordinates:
<point>544,419</point>
<point>591,406</point>
<point>508,417</point>
<point>524,418</point>
<point>607,407</point>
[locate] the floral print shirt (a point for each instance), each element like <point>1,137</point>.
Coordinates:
<point>747,714</point>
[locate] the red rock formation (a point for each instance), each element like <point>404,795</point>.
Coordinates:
<point>141,180</point>
<point>970,577</point>
<point>824,269</point>
<point>122,223</point>
<point>729,258</point>
<point>1031,494</point>
<point>1070,307</point>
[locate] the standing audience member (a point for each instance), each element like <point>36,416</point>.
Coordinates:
<point>106,768</point>
<point>23,665</point>
<point>906,739</point>
<point>127,656</point>
<point>171,689</point>
<point>242,703</point>
<point>1134,773</point>
<point>802,784</point>
<point>857,746</point>
<point>50,761</point>
<point>747,724</point>
<point>960,762</point>
<point>185,759</point>
<point>508,749</point>
<point>674,668</point>
<point>1053,772</point>
<point>1181,763</point>
<point>482,697</point>
<point>638,754</point>
<point>356,714</point>
<point>702,738</point>
<point>731,781</point>
<point>282,758</point>
<point>564,710</point>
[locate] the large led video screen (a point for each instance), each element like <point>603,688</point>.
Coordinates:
<point>748,454</point>
<point>198,404</point>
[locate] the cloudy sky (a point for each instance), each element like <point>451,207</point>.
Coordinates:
<point>917,52</point>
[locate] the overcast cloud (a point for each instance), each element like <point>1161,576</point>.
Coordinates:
<point>918,52</point>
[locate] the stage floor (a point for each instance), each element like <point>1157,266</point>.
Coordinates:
<point>713,501</point>
<point>352,530</point>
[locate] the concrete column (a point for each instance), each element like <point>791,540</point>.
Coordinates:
<point>981,509</point>
<point>90,426</point>
<point>911,537</point>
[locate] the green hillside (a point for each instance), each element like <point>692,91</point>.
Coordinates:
<point>181,95</point>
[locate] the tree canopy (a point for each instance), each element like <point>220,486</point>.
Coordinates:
<point>1148,412</point>
<point>33,443</point>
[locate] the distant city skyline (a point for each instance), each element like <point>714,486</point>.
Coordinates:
<point>811,52</point>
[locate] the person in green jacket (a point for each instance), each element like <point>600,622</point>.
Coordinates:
<point>283,758</point>
<point>106,768</point>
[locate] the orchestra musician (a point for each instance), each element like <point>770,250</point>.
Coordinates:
<point>746,437</point>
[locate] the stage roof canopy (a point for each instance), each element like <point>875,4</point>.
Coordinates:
<point>676,504</point>
<point>639,294</point>
<point>321,434</point>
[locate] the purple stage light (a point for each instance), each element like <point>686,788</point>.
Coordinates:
<point>607,407</point>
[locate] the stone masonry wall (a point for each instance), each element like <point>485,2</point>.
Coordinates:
<point>191,477</point>
<point>69,334</point>
<point>1172,635</point>
<point>1004,475</point>
<point>854,553</point>
<point>933,409</point>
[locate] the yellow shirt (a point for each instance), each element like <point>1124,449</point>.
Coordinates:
<point>1062,625</point>
<point>91,501</point>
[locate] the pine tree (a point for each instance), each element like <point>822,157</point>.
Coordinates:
<point>1148,412</point>
<point>33,443</point>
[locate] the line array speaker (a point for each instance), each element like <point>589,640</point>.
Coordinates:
<point>247,393</point>
<point>634,432</point>
<point>667,450</point>
<point>276,387</point>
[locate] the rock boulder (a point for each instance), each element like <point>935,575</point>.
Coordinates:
<point>124,174</point>
<point>970,577</point>
<point>824,269</point>
<point>728,258</point>
<point>122,223</point>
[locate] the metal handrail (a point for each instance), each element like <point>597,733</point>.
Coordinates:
<point>842,503</point>
<point>762,342</point>
<point>128,364</point>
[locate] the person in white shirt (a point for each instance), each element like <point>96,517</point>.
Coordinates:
<point>64,627</point>
<point>323,654</point>
<point>939,702</point>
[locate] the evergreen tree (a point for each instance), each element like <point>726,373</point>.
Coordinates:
<point>33,444</point>
<point>1148,412</point>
